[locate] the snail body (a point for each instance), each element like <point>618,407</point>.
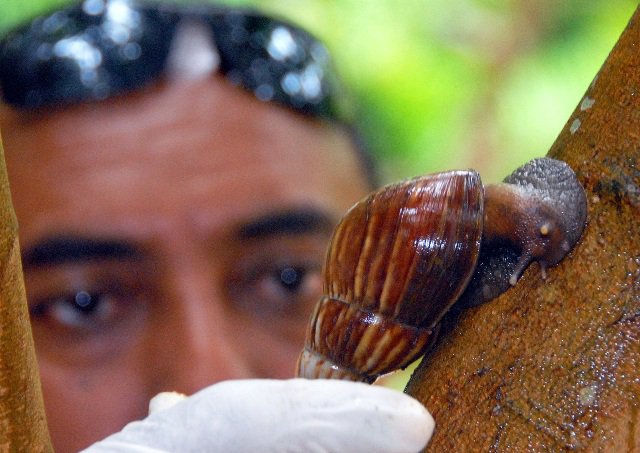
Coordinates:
<point>404,255</point>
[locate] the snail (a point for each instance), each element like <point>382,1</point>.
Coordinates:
<point>404,255</point>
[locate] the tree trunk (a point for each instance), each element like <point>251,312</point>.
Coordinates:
<point>555,364</point>
<point>22,420</point>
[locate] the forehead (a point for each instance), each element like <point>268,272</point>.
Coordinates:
<point>180,146</point>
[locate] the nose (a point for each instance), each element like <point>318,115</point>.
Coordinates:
<point>193,336</point>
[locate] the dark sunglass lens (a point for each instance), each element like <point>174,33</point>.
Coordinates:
<point>100,48</point>
<point>87,51</point>
<point>275,61</point>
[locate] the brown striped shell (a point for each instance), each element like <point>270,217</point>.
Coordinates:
<point>396,263</point>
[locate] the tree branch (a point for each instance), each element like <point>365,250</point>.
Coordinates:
<point>22,421</point>
<point>553,364</point>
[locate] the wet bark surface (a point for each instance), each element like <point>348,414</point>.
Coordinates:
<point>554,364</point>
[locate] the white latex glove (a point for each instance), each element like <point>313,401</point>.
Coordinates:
<point>296,415</point>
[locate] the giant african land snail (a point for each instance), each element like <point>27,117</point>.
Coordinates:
<point>401,257</point>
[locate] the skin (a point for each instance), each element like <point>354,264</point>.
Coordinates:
<point>176,209</point>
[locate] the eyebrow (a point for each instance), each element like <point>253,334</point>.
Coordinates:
<point>63,249</point>
<point>294,222</point>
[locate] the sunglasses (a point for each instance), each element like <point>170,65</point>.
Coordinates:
<point>100,48</point>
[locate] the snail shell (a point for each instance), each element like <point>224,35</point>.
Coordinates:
<point>386,258</point>
<point>400,258</point>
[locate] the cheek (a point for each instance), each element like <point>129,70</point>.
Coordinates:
<point>272,350</point>
<point>86,405</point>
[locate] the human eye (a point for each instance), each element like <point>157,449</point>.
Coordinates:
<point>282,286</point>
<point>81,311</point>
<point>288,284</point>
<point>87,314</point>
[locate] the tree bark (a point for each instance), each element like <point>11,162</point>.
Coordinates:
<point>555,364</point>
<point>22,420</point>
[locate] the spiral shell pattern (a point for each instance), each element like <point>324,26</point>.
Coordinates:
<point>396,263</point>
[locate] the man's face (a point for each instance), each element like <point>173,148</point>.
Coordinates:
<point>171,239</point>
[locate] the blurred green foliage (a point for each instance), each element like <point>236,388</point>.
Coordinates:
<point>444,84</point>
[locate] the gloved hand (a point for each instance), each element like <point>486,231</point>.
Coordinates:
<point>295,415</point>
